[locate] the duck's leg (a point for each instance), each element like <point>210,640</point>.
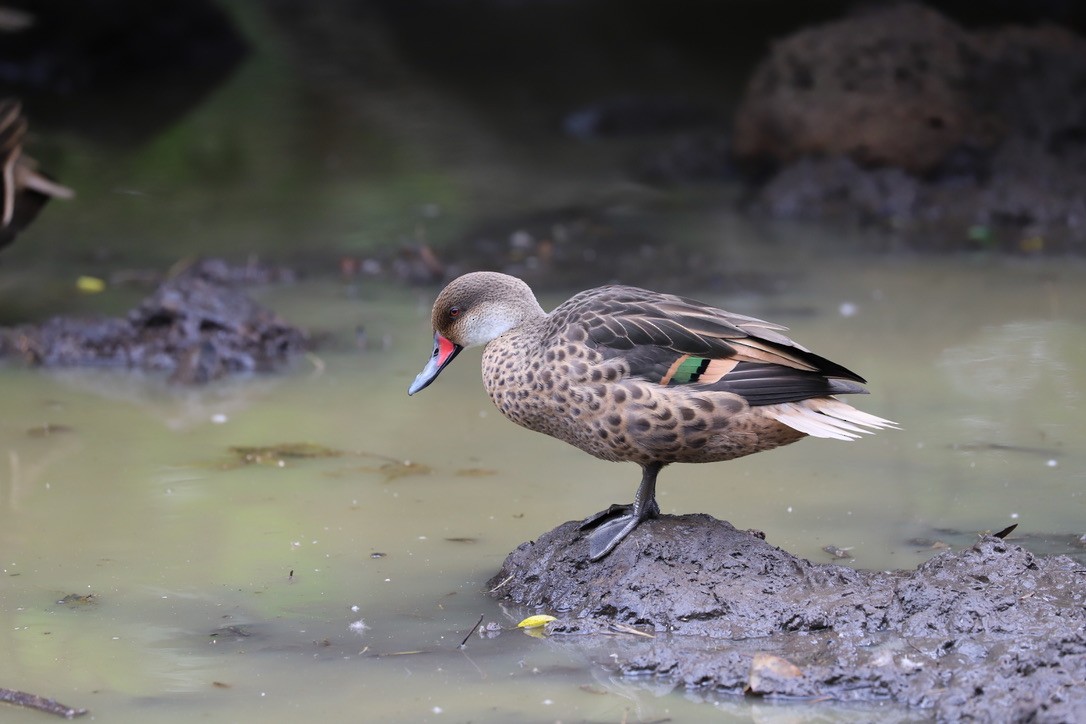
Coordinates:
<point>612,525</point>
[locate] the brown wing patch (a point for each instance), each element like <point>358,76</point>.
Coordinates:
<point>752,349</point>
<point>717,369</point>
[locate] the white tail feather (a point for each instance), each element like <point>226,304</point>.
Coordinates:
<point>826,417</point>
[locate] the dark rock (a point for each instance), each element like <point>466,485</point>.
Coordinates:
<point>992,632</point>
<point>901,118</point>
<point>895,86</point>
<point>837,187</point>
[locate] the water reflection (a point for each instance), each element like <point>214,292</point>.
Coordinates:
<point>1008,362</point>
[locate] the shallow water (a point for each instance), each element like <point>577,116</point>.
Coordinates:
<point>142,505</point>
<point>234,592</point>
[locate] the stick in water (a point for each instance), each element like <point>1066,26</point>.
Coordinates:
<point>33,701</point>
<point>477,624</point>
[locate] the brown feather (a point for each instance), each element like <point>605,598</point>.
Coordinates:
<point>752,349</point>
<point>718,369</point>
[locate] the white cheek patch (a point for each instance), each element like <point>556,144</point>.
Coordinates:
<point>482,329</point>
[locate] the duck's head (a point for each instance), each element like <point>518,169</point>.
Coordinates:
<point>472,310</point>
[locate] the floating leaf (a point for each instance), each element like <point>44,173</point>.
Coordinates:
<point>536,621</point>
<point>90,285</point>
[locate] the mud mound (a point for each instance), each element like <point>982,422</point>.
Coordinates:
<point>195,327</point>
<point>992,632</point>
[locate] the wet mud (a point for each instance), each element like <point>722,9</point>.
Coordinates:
<point>196,327</point>
<point>992,632</point>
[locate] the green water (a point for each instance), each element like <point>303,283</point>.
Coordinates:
<point>229,592</point>
<point>142,505</point>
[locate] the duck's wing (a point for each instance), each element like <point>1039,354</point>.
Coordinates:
<point>23,188</point>
<point>671,340</point>
<point>12,133</point>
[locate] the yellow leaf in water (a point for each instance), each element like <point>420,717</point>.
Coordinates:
<point>90,285</point>
<point>536,621</point>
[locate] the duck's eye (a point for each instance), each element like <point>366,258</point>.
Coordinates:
<point>454,312</point>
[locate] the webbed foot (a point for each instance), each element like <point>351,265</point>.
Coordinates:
<point>610,526</point>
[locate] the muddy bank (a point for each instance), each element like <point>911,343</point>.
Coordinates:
<point>578,247</point>
<point>992,632</point>
<point>899,116</point>
<point>196,327</point>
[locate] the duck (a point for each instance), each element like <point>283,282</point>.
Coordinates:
<point>632,375</point>
<point>23,188</point>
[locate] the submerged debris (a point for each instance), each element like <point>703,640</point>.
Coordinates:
<point>48,430</point>
<point>475,472</point>
<point>277,455</point>
<point>838,552</point>
<point>400,469</point>
<point>391,469</point>
<point>76,600</point>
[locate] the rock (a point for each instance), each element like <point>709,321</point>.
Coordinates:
<point>901,118</point>
<point>992,632</point>
<point>894,86</point>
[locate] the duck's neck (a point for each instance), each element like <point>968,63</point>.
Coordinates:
<point>524,313</point>
<point>503,318</point>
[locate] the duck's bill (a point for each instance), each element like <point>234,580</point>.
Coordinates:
<point>444,352</point>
